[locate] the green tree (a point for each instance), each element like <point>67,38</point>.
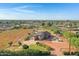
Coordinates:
<point>43,24</point>
<point>49,24</point>
<point>77,34</point>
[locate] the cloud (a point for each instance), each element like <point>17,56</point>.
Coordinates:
<point>20,9</point>
<point>24,9</point>
<point>27,8</point>
<point>21,12</point>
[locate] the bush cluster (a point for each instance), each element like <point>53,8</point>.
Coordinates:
<point>72,53</point>
<point>25,46</point>
<point>26,52</point>
<point>40,44</point>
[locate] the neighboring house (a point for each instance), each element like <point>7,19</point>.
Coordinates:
<point>5,26</point>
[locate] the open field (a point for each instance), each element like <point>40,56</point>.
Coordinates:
<point>12,35</point>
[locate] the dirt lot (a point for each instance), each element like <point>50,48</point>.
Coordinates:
<point>58,46</point>
<point>12,35</point>
<point>20,34</point>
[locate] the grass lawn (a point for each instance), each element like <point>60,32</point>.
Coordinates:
<point>37,47</point>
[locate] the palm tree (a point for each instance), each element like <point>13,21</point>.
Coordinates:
<point>70,27</point>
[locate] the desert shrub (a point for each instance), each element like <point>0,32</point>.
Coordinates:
<point>45,53</point>
<point>16,27</point>
<point>33,52</point>
<point>10,43</point>
<point>72,53</point>
<point>28,37</point>
<point>37,43</point>
<point>66,53</point>
<point>45,46</point>
<point>31,27</point>
<point>25,46</point>
<point>40,44</point>
<point>6,53</point>
<point>10,53</point>
<point>19,43</point>
<point>24,27</point>
<point>76,53</point>
<point>49,48</point>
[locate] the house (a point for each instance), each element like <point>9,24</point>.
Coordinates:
<point>42,36</point>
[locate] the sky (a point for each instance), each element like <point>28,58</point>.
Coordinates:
<point>39,11</point>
